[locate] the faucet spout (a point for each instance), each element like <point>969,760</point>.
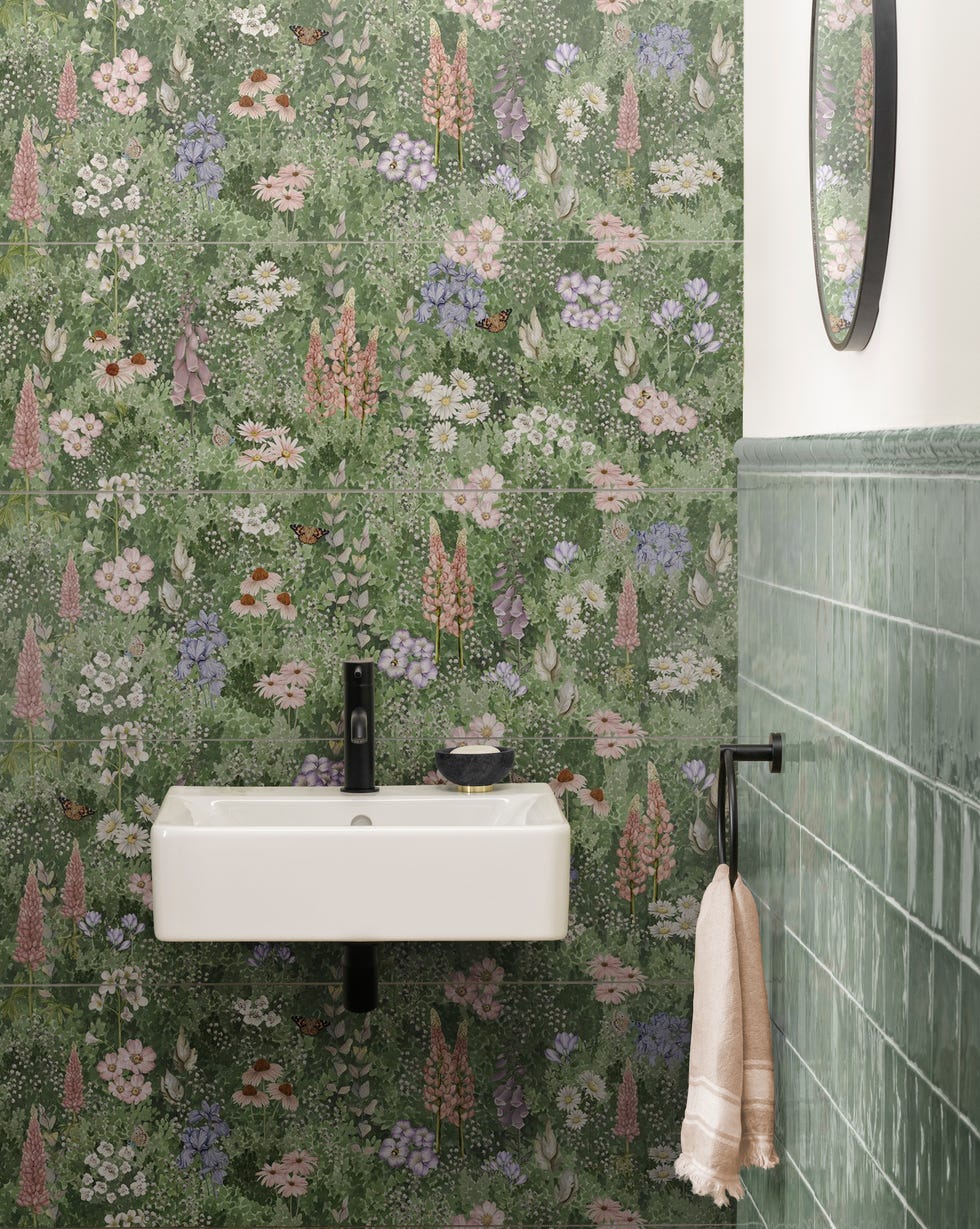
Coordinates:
<point>359,727</point>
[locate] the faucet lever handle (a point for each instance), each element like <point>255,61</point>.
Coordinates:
<point>358,727</point>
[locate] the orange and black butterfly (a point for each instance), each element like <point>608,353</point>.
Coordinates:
<point>74,810</point>
<point>140,1137</point>
<point>309,535</point>
<point>308,35</point>
<point>496,322</point>
<point>309,1026</point>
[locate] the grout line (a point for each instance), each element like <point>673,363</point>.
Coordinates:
<point>281,495</point>
<point>941,786</point>
<point>840,475</point>
<point>963,957</point>
<point>420,242</point>
<point>436,736</point>
<point>850,1126</point>
<point>876,614</point>
<point>788,1156</point>
<point>282,986</point>
<point>762,1220</point>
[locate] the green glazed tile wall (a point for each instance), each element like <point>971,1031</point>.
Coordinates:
<point>859,638</point>
<point>537,341</point>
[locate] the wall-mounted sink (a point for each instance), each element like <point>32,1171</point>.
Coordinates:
<point>298,864</point>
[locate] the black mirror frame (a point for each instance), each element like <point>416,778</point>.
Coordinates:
<point>882,186</point>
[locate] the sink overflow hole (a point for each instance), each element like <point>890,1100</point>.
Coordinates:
<point>361,821</point>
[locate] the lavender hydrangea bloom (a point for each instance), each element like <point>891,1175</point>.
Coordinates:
<point>666,47</point>
<point>565,1044</point>
<point>405,160</point>
<point>409,657</point>
<point>562,557</point>
<point>319,770</point>
<point>565,56</point>
<point>505,1164</point>
<point>506,178</point>
<point>505,674</point>
<point>663,546</point>
<point>663,1038</point>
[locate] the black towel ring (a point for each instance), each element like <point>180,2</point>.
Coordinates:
<point>770,753</point>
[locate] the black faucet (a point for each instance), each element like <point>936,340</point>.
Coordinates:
<point>359,727</point>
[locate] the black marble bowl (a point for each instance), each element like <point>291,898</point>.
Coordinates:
<point>475,771</point>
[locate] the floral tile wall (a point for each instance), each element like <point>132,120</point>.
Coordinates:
<point>313,317</point>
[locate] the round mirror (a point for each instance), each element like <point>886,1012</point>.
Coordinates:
<point>853,99</point>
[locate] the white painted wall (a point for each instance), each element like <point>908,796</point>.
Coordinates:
<point>922,366</point>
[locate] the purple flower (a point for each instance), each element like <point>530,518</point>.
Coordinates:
<point>508,107</point>
<point>565,56</point>
<point>663,1038</point>
<point>394,1152</point>
<point>262,952</point>
<point>512,618</point>
<point>670,310</point>
<point>319,770</point>
<point>662,546</point>
<point>505,1164</point>
<point>666,47</point>
<point>504,177</point>
<point>505,674</point>
<point>697,773</point>
<point>697,291</point>
<point>565,1044</point>
<point>90,923</point>
<point>508,1095</point>
<point>562,557</point>
<point>702,338</point>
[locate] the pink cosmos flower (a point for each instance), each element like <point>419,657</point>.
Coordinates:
<point>487,1009</point>
<point>293,1187</point>
<point>298,672</point>
<point>683,419</point>
<point>609,992</point>
<point>289,200</point>
<point>280,105</point>
<point>76,445</point>
<point>605,226</point>
<point>486,514</point>
<point>487,973</point>
<point>458,990</point>
<point>611,252</point>
<point>604,474</point>
<point>254,432</point>
<point>300,1162</point>
<point>486,478</point>
<point>610,748</point>
<point>105,576</point>
<point>138,1057</point>
<point>486,1216</point>
<point>458,498</point>
<point>283,452</point>
<point>110,1067</point>
<point>132,67</point>
<point>294,175</point>
<point>487,17</point>
<point>103,76</point>
<point>129,600</point>
<point>251,458</point>
<point>141,885</point>
<point>250,1095</point>
<point>604,721</point>
<point>267,189</point>
<point>604,966</point>
<point>131,565</point>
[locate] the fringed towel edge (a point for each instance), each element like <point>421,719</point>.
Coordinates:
<point>704,1182</point>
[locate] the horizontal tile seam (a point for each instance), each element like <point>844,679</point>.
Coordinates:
<point>909,1062</point>
<point>853,1130</point>
<point>362,492</point>
<point>277,986</point>
<point>940,786</point>
<point>865,610</point>
<point>425,735</point>
<point>963,957</point>
<point>892,472</point>
<point>422,243</point>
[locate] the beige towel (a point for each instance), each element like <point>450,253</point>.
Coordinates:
<point>730,1100</point>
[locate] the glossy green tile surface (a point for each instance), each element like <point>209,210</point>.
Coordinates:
<point>880,1114</point>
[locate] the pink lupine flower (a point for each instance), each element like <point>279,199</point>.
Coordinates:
<point>70,605</point>
<point>73,1093</point>
<point>437,585</point>
<point>25,205</point>
<point>437,87</point>
<point>367,379</point>
<point>627,1118</point>
<point>459,115</point>
<point>26,452</point>
<point>343,352</point>
<point>32,1191</point>
<point>29,947</point>
<point>439,1093</point>
<point>462,593</point>
<point>73,892</point>
<point>29,681</point>
<point>315,373</point>
<point>66,108</point>
<point>627,632</point>
<point>464,1085</point>
<point>634,856</point>
<point>628,121</point>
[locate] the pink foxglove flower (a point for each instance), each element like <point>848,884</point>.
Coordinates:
<point>627,635</point>
<point>73,1096</point>
<point>628,120</point>
<point>29,683</point>
<point>627,1117</point>
<point>26,452</point>
<point>32,1191</point>
<point>66,108</point>
<point>73,893</point>
<point>191,374</point>
<point>25,206</point>
<point>70,605</point>
<point>29,948</point>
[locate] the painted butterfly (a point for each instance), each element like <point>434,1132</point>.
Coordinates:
<point>309,1026</point>
<point>136,648</point>
<point>133,148</point>
<point>308,35</point>
<point>74,810</point>
<point>140,1137</point>
<point>496,322</point>
<point>309,535</point>
<point>220,437</point>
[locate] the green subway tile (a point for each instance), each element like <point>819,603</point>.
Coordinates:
<point>823,536</point>
<point>873,956</point>
<point>793,885</point>
<point>876,806</point>
<point>897,833</point>
<point>968,935</point>
<point>807,539</point>
<point>895,962</point>
<point>971,573</point>
<point>895,1128</point>
<point>950,500</point>
<point>807,627</point>
<point>874,673</point>
<point>947,862</point>
<point>967,1168</point>
<point>839,820</point>
<point>841,683</point>
<point>879,556</point>
<point>920,997</point>
<point>923,546</point>
<point>922,840</point>
<point>843,958</point>
<point>840,557</point>
<point>861,541</point>
<point>918,1148</point>
<point>949,728</point>
<point>789,541</point>
<point>922,720</point>
<point>857,718</point>
<point>943,1164</point>
<point>969,731</point>
<point>900,549</point>
<point>823,652</point>
<point>968,1099</point>
<point>898,690</point>
<point>945,1063</point>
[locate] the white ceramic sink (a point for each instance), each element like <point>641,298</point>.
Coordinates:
<point>288,864</point>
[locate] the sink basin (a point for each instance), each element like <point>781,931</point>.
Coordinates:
<point>291,865</point>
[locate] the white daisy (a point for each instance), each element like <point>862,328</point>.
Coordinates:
<point>662,686</point>
<point>443,437</point>
<point>568,1098</point>
<point>473,411</point>
<point>711,171</point>
<point>576,1120</point>
<point>688,162</point>
<point>593,595</point>
<point>663,166</point>
<point>663,665</point>
<point>664,188</point>
<point>269,301</point>
<point>575,630</point>
<point>709,668</point>
<point>443,401</point>
<point>594,97</point>
<point>568,608</point>
<point>241,294</point>
<point>289,287</point>
<point>249,317</point>
<point>463,381</point>
<point>425,385</point>
<point>576,133</point>
<point>568,110</point>
<point>266,273</point>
